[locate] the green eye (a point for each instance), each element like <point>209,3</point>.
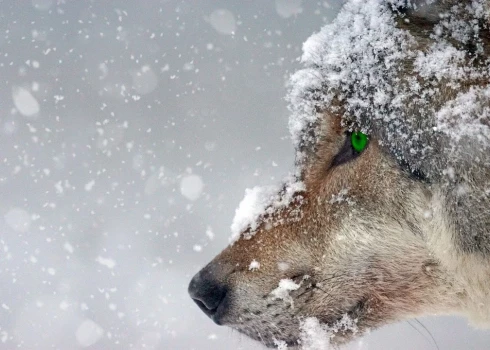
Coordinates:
<point>359,141</point>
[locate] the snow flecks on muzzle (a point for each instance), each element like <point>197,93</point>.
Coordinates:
<point>260,204</point>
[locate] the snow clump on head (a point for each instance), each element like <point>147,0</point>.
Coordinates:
<point>370,68</point>
<point>342,64</point>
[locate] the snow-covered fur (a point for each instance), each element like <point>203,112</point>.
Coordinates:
<point>356,240</point>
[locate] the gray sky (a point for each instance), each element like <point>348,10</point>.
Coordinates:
<point>129,132</point>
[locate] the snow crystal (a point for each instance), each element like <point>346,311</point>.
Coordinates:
<point>341,197</point>
<point>68,247</point>
<point>223,21</point>
<point>314,336</point>
<point>89,185</point>
<point>88,333</point>
<point>197,248</point>
<point>346,323</point>
<point>280,344</point>
<point>282,291</point>
<point>259,201</point>
<point>25,102</point>
<point>191,187</point>
<point>254,265</point>
<point>64,305</point>
<point>109,263</point>
<point>441,61</point>
<point>210,233</point>
<point>18,219</point>
<point>288,8</point>
<point>59,187</point>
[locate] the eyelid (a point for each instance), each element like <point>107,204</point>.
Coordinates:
<point>346,153</point>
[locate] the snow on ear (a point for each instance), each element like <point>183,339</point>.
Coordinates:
<point>467,116</point>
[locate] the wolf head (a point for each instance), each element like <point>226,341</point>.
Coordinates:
<point>364,236</point>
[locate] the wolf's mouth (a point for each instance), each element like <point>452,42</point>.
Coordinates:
<point>341,328</point>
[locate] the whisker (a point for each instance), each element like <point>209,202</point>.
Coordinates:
<point>329,278</point>
<point>324,291</point>
<point>303,293</point>
<point>428,332</point>
<point>431,337</point>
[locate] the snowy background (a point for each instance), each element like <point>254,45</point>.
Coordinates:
<point>129,132</point>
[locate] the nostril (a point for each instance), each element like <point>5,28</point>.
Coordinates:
<point>201,305</point>
<point>208,300</point>
<point>205,308</point>
<point>207,293</point>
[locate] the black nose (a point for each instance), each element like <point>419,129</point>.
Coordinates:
<point>209,294</point>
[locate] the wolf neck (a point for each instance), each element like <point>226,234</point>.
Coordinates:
<point>468,273</point>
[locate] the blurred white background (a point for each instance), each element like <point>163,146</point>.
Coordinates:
<point>129,132</point>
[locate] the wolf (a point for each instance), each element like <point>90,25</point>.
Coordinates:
<point>386,216</point>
